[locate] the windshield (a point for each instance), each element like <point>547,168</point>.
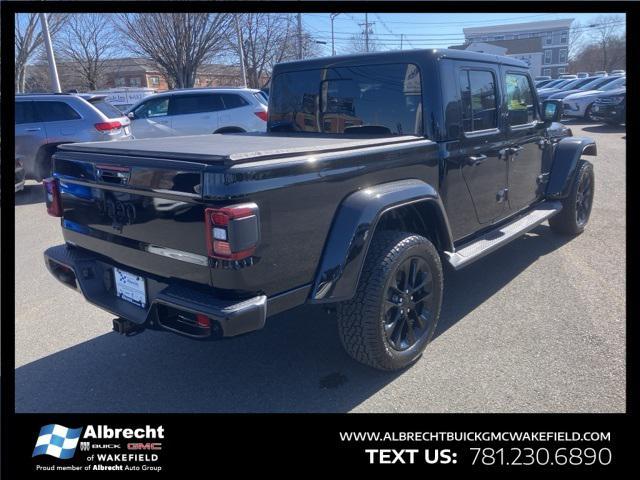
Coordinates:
<point>617,83</point>
<point>366,100</point>
<point>597,83</point>
<point>557,83</point>
<point>575,84</point>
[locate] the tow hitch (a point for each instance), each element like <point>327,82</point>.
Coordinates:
<point>126,327</point>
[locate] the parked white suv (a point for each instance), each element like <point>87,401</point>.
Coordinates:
<point>197,111</point>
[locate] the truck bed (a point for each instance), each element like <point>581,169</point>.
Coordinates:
<point>233,148</point>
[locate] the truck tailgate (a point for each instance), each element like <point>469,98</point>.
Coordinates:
<point>137,212</point>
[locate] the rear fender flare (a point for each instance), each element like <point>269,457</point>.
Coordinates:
<point>566,154</point>
<point>353,226</point>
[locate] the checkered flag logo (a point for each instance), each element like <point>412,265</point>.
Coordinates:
<point>57,441</point>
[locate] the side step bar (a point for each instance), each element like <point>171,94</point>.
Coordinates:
<point>495,239</point>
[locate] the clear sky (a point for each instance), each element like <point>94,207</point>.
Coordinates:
<point>421,30</point>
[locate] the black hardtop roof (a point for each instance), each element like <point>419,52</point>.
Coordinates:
<point>418,55</point>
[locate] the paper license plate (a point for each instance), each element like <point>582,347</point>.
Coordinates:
<point>130,287</point>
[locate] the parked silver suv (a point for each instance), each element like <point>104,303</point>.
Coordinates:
<point>44,121</point>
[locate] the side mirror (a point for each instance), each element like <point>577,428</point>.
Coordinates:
<point>131,115</point>
<point>551,111</point>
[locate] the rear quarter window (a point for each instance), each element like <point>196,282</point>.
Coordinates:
<point>232,100</point>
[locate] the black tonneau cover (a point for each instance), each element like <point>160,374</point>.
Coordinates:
<point>232,148</point>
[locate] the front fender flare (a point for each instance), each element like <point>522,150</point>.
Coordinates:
<point>566,154</point>
<point>352,229</point>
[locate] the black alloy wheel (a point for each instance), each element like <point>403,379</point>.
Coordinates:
<point>394,313</point>
<point>409,304</point>
<point>584,200</point>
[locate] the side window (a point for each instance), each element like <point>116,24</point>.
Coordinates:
<point>25,113</point>
<point>157,107</point>
<point>520,105</point>
<point>232,100</point>
<point>478,93</point>
<point>55,111</point>
<point>185,105</point>
<point>190,104</point>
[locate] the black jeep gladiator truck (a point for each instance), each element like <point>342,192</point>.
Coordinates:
<point>376,171</point>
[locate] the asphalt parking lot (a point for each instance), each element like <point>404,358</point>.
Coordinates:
<point>538,326</point>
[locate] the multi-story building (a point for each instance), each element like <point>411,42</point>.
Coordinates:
<point>546,41</point>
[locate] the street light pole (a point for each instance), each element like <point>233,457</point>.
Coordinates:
<point>241,49</point>
<point>53,70</point>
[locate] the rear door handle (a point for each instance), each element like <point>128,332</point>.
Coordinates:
<point>477,159</point>
<point>32,130</point>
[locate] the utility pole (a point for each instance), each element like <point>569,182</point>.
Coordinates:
<point>241,50</point>
<point>53,70</point>
<point>333,40</point>
<point>300,36</point>
<point>366,30</point>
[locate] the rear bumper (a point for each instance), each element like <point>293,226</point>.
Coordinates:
<point>93,277</point>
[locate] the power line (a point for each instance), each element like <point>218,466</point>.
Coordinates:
<point>489,21</point>
<point>462,35</point>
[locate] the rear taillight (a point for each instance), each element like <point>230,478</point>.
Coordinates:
<point>107,126</point>
<point>52,192</point>
<point>261,115</point>
<point>232,232</point>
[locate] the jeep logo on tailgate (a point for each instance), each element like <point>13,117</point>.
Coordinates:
<point>121,213</point>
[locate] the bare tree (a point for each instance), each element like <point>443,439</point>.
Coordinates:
<point>575,39</point>
<point>88,41</point>
<point>607,32</point>
<point>358,43</point>
<point>178,42</point>
<point>28,39</point>
<point>266,40</point>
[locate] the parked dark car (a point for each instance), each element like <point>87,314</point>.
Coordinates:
<point>611,108</point>
<point>375,172</point>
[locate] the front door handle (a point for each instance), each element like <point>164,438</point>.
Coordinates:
<point>32,130</point>
<point>515,149</point>
<point>477,159</point>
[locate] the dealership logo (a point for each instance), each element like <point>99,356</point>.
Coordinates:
<point>57,441</point>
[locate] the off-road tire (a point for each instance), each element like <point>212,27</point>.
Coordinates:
<point>566,221</point>
<point>361,320</point>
